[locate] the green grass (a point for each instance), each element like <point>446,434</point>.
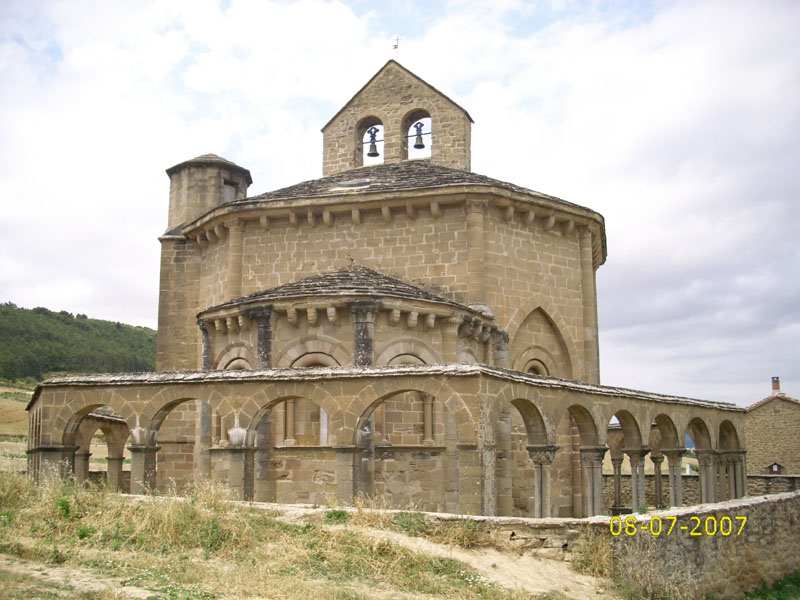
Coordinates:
<point>785,589</point>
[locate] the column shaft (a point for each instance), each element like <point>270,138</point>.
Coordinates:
<point>450,339</point>
<point>364,331</point>
<point>617,464</point>
<point>542,457</point>
<point>427,418</point>
<point>476,275</point>
<point>143,468</point>
<point>591,354</point>
<point>114,477</point>
<point>82,466</point>
<point>289,428</point>
<point>262,317</point>
<point>657,487</point>
<point>233,284</point>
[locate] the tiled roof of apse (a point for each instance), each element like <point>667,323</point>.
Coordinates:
<point>391,177</point>
<point>355,280</point>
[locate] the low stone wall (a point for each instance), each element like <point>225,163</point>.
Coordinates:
<point>758,485</point>
<point>713,564</point>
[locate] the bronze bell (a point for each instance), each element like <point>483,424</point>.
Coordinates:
<point>418,143</point>
<point>373,148</point>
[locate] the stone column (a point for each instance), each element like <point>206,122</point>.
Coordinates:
<point>542,457</point>
<point>591,353</point>
<point>55,462</point>
<point>143,468</point>
<point>450,339</point>
<point>617,464</point>
<point>501,358</point>
<point>345,467</point>
<point>233,283</point>
<point>364,313</point>
<point>675,468</point>
<point>262,317</point>
<point>476,270</point>
<point>114,478</point>
<point>82,466</point>
<point>504,468</point>
<point>288,438</point>
<point>206,359</point>
<point>705,461</point>
<point>730,467</point>
<point>427,418</point>
<point>741,474</point>
<point>657,460</point>
<point>593,468</point>
<point>237,471</point>
<point>202,442</point>
<point>488,463</point>
<point>636,457</point>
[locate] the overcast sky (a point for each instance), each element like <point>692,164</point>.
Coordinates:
<point>678,121</point>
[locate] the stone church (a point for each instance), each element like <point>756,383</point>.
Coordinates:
<point>401,328</point>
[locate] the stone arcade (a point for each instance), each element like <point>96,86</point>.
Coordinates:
<point>407,330</point>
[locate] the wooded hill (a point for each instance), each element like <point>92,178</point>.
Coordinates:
<point>35,342</point>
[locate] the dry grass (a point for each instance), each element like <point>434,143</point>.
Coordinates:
<point>195,547</point>
<point>637,570</point>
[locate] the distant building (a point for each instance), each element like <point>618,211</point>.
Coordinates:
<point>773,434</point>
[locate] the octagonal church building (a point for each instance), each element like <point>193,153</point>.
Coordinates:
<point>401,328</point>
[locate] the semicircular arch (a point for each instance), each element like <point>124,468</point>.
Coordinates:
<point>81,405</point>
<point>407,345</point>
<point>373,395</point>
<point>313,344</point>
<point>232,352</point>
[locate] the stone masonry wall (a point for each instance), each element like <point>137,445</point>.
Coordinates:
<point>724,567</point>
<point>772,436</point>
<point>426,250</point>
<point>526,268</point>
<point>390,98</point>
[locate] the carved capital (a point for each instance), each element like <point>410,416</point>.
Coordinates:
<point>542,455</point>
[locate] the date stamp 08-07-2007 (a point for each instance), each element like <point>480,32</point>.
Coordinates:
<point>696,526</point>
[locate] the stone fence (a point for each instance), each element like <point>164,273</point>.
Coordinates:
<point>709,553</point>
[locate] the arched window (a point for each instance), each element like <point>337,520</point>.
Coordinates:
<point>417,128</point>
<point>369,142</point>
<point>238,364</point>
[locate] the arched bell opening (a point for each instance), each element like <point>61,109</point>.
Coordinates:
<point>370,144</point>
<point>417,128</point>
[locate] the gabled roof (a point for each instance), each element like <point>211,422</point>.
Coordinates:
<point>407,72</point>
<point>392,177</point>
<point>768,399</point>
<point>355,280</point>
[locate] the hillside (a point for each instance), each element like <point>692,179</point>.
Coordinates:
<point>35,342</point>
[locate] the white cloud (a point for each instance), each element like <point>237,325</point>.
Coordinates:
<point>678,121</point>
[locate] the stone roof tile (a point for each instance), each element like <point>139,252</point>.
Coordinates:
<point>355,280</point>
<point>392,177</point>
